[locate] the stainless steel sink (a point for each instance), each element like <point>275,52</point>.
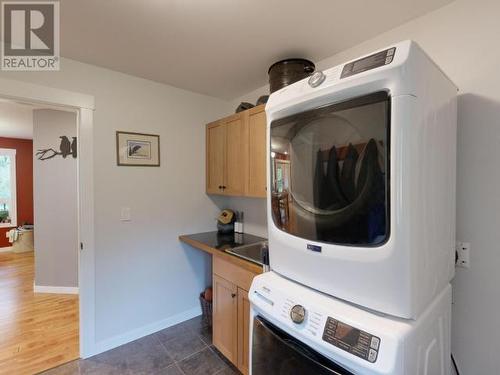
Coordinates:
<point>251,252</point>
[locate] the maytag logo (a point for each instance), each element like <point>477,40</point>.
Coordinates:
<point>315,248</point>
<point>30,35</point>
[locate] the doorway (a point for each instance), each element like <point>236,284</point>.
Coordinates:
<point>82,106</point>
<point>38,237</point>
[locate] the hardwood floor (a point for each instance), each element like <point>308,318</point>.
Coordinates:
<point>37,331</point>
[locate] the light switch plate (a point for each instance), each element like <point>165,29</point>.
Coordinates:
<point>125,214</point>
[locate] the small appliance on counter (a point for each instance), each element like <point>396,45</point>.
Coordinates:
<point>238,225</point>
<point>225,221</point>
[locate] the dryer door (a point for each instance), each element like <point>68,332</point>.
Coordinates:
<point>329,166</point>
<point>276,352</point>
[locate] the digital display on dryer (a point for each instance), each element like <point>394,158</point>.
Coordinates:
<point>367,63</point>
<point>352,340</point>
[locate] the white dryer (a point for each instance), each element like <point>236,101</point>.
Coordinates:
<point>361,202</point>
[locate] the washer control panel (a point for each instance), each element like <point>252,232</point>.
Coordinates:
<point>367,63</point>
<point>352,340</point>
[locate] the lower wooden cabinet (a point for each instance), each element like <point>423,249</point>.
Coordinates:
<point>225,318</point>
<point>231,312</point>
<point>243,331</point>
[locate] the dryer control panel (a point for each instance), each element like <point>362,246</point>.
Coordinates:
<point>352,340</point>
<point>367,63</point>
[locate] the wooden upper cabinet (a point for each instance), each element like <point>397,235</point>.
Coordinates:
<point>236,154</point>
<point>225,318</point>
<point>215,143</point>
<point>256,152</point>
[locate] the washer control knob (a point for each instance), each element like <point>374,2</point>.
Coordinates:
<point>298,314</point>
<point>316,79</point>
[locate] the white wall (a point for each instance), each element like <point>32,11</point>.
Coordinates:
<point>16,120</point>
<point>144,276</point>
<point>55,201</point>
<point>463,39</point>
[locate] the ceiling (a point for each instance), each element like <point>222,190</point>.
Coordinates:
<point>221,47</point>
<point>16,120</point>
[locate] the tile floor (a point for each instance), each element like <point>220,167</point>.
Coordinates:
<point>184,349</point>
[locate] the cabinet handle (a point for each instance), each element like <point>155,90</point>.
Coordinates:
<point>223,187</point>
<point>233,295</point>
<point>220,187</point>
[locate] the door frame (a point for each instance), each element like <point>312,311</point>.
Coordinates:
<point>84,106</point>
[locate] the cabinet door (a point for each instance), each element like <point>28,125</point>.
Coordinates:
<point>257,152</point>
<point>236,153</point>
<point>243,331</point>
<point>215,143</point>
<point>225,317</point>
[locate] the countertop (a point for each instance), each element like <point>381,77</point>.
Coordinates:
<point>215,244</point>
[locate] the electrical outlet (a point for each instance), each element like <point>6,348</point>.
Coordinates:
<point>463,255</point>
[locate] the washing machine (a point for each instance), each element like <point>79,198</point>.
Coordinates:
<point>361,182</point>
<point>295,330</point>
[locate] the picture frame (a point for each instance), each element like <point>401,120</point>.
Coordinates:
<point>137,149</point>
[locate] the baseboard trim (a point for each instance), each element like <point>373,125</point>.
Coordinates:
<point>7,249</point>
<point>55,289</point>
<point>148,329</point>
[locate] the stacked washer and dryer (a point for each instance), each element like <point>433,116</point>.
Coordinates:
<point>361,221</point>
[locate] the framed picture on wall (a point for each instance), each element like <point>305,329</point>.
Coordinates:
<point>137,149</point>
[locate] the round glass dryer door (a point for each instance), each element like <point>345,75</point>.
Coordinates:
<point>329,165</point>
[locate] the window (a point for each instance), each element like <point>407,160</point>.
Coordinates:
<point>8,210</point>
